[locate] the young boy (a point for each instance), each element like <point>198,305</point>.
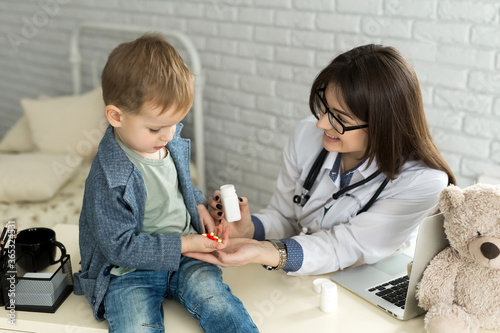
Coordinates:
<point>140,209</point>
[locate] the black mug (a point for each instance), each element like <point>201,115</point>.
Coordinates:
<point>36,249</point>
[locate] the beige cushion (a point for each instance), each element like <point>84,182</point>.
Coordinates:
<point>18,138</point>
<point>35,176</point>
<point>68,124</point>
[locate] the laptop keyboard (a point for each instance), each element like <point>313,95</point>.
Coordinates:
<point>393,291</point>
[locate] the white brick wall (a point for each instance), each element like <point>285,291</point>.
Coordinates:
<point>260,57</point>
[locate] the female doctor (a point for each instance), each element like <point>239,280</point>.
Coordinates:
<point>361,199</point>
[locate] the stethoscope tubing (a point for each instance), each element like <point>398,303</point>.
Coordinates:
<point>313,174</point>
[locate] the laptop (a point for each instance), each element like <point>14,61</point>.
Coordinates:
<point>386,283</point>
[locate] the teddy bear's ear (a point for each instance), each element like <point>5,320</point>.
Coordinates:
<point>450,197</point>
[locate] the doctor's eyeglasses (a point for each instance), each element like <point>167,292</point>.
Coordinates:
<point>321,108</point>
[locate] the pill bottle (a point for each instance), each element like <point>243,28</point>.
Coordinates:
<point>230,203</point>
<point>328,297</point>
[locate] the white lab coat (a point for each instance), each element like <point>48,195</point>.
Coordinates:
<point>340,238</point>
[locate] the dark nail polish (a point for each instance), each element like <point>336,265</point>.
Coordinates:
<point>219,206</point>
<point>240,199</point>
<point>216,198</point>
<point>219,213</point>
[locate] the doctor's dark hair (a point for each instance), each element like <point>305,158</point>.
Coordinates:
<point>379,86</point>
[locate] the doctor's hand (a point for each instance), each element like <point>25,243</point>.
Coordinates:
<point>239,252</point>
<point>243,228</point>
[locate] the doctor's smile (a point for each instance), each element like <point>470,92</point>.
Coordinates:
<point>333,138</point>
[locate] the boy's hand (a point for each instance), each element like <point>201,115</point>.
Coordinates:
<point>206,219</point>
<point>240,252</point>
<point>199,243</point>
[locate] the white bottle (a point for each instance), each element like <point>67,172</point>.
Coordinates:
<point>230,203</point>
<point>328,297</point>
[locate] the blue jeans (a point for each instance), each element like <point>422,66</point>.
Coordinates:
<point>133,302</point>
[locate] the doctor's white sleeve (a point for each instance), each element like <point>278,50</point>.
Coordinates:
<point>376,233</point>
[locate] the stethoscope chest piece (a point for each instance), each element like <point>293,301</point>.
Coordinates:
<point>302,198</point>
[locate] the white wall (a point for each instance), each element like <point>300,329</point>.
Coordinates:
<point>260,57</point>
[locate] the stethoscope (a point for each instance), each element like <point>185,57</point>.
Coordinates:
<point>313,174</point>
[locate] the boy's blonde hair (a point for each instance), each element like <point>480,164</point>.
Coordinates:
<point>147,70</point>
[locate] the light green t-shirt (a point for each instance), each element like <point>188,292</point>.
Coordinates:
<point>165,211</point>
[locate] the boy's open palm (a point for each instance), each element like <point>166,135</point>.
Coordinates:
<point>200,243</point>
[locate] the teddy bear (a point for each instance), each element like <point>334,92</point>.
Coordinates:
<point>460,287</point>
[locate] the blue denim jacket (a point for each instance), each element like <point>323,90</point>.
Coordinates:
<point>112,216</point>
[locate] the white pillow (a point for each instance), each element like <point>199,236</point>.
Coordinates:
<point>18,137</point>
<point>34,176</point>
<point>68,124</point>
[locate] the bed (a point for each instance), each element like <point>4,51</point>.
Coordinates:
<point>44,163</point>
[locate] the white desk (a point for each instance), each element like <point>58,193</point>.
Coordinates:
<point>276,302</point>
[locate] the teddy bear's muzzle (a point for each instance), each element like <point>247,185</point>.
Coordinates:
<point>486,251</point>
